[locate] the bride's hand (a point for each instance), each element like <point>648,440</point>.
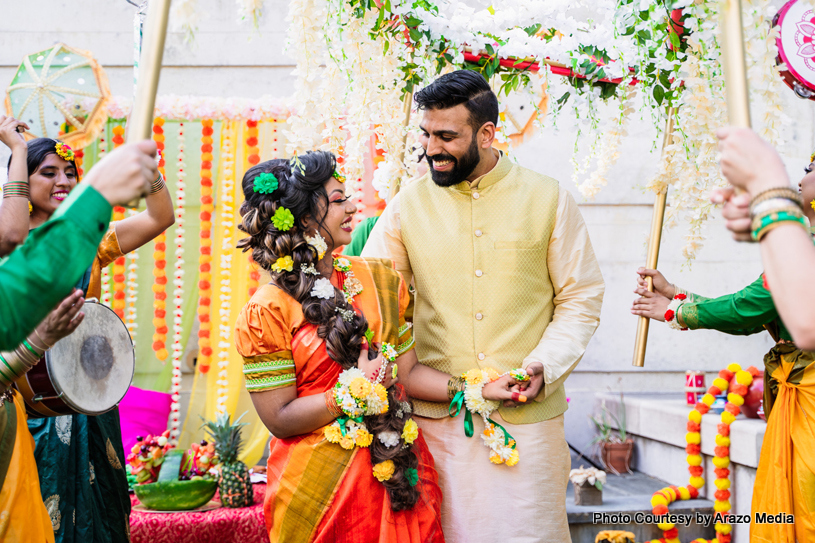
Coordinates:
<point>499,390</point>
<point>370,367</point>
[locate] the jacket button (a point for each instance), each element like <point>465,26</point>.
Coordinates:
<point>478,233</point>
<point>481,356</point>
<point>476,196</point>
<point>478,316</point>
<point>478,273</point>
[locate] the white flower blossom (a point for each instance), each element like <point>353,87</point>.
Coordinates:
<point>323,289</point>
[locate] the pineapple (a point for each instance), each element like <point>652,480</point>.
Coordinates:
<point>234,483</point>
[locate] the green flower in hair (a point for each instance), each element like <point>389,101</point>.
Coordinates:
<point>369,335</point>
<point>412,476</point>
<point>265,183</point>
<point>283,219</point>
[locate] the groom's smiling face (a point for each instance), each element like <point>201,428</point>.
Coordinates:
<point>450,145</point>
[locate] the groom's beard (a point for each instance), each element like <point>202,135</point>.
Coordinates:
<point>461,168</point>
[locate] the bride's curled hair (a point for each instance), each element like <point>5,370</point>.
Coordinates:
<point>301,190</point>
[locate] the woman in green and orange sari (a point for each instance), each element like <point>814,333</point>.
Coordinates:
<point>347,462</point>
<point>785,480</point>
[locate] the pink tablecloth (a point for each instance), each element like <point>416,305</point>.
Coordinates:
<point>223,525</point>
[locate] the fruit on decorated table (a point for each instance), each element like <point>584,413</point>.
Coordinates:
<point>176,495</point>
<point>234,483</point>
<point>171,467</point>
<point>147,455</point>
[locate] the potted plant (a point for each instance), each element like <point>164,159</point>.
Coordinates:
<point>616,446</point>
<point>588,485</point>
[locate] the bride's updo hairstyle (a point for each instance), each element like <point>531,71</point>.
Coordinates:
<point>301,190</point>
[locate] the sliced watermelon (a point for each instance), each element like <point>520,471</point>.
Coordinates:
<point>171,466</point>
<point>176,495</point>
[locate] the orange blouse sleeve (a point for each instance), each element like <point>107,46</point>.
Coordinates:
<point>406,341</point>
<point>263,337</point>
<point>107,252</point>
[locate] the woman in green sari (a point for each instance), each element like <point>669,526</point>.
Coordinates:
<point>80,459</point>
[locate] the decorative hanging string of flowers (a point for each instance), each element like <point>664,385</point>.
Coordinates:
<point>178,286</point>
<point>160,264</point>
<point>119,270</point>
<point>205,250</point>
<point>252,154</point>
<point>226,231</point>
<point>735,382</point>
<point>132,264</point>
<point>106,271</point>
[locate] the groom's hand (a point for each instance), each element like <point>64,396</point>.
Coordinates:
<point>532,388</point>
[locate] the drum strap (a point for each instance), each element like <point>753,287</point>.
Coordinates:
<point>8,437</point>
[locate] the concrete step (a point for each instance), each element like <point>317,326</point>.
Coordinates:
<point>627,506</point>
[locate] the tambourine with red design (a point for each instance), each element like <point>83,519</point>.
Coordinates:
<point>796,47</point>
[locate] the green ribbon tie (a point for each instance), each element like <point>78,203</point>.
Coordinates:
<point>507,437</point>
<point>345,418</point>
<point>455,405</point>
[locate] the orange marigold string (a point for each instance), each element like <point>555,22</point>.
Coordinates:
<point>160,263</point>
<point>252,151</point>
<point>736,381</point>
<point>118,302</point>
<point>205,256</point>
<point>79,155</point>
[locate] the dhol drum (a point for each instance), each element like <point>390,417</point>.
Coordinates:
<point>796,47</point>
<point>87,372</point>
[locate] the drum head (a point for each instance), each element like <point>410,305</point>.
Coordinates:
<point>93,367</point>
<point>796,41</point>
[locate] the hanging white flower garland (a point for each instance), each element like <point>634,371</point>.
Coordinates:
<point>178,286</point>
<point>227,215</point>
<point>132,266</point>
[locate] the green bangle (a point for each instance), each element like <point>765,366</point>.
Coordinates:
<point>766,226</point>
<point>9,367</point>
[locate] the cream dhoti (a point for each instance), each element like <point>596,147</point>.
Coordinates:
<point>530,496</point>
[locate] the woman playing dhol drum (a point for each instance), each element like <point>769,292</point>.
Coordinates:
<point>80,459</point>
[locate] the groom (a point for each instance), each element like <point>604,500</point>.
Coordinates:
<point>505,277</point>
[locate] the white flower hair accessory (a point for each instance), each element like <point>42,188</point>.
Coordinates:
<point>319,244</point>
<point>323,289</point>
<point>389,439</point>
<point>309,269</point>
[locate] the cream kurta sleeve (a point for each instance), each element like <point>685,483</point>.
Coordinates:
<point>385,240</point>
<point>578,286</point>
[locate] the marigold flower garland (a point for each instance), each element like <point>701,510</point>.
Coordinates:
<point>737,381</point>
<point>178,287</point>
<point>227,215</point>
<point>205,250</point>
<point>252,152</point>
<point>118,302</point>
<point>160,263</point>
<point>132,264</point>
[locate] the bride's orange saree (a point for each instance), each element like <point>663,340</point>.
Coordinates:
<point>317,491</point>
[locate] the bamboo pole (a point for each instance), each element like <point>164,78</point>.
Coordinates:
<point>657,220</point>
<point>140,123</point>
<point>735,71</point>
<point>406,105</point>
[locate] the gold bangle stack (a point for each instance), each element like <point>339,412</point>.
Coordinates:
<point>773,207</point>
<point>331,404</point>
<point>454,386</point>
<point>788,193</point>
<point>16,363</point>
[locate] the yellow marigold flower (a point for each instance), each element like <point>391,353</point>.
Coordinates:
<point>695,416</point>
<point>674,540</point>
<point>735,368</point>
<point>283,263</point>
<point>665,526</point>
<point>721,384</point>
<point>722,441</point>
<point>721,462</point>
<point>333,433</point>
<point>723,528</point>
<point>694,438</point>
<point>735,399</point>
<point>492,374</point>
<point>670,494</point>
<point>658,500</point>
<point>383,470</point>
<point>684,493</point>
<point>513,459</point>
<point>360,388</point>
<point>727,417</point>
<point>364,438</point>
<point>722,484</point>
<point>410,432</point>
<point>721,507</point>
<point>708,399</point>
<point>697,482</point>
<point>496,459</point>
<point>694,460</point>
<point>347,442</point>
<point>473,377</point>
<point>382,392</point>
<point>744,378</point>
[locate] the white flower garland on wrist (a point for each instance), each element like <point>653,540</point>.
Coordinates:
<point>357,397</point>
<point>672,313</point>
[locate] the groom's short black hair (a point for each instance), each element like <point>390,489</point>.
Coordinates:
<point>462,87</point>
